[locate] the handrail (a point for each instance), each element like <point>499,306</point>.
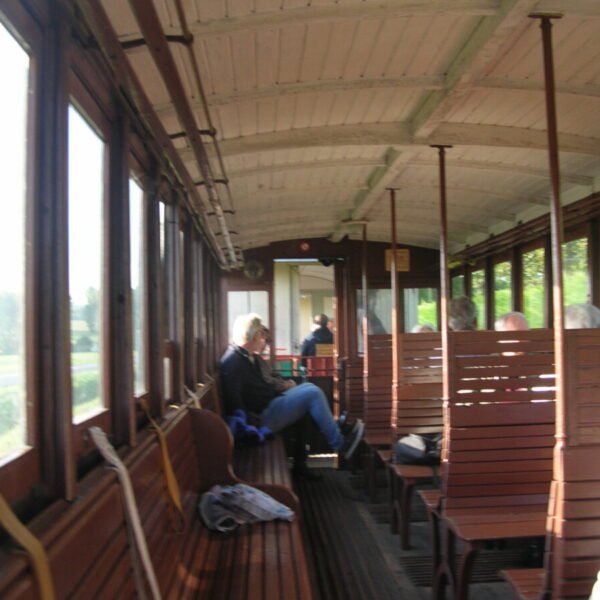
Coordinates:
<point>158,45</point>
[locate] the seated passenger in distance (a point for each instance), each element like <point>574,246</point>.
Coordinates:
<point>462,314</point>
<point>245,388</point>
<point>424,328</point>
<point>512,321</point>
<point>582,316</point>
<point>321,334</point>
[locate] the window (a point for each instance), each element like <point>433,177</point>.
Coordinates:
<point>138,285</point>
<point>379,313</point>
<point>86,192</point>
<point>478,296</point>
<point>503,301</point>
<point>13,124</point>
<point>458,286</point>
<point>534,295</point>
<point>420,307</point>
<point>576,284</point>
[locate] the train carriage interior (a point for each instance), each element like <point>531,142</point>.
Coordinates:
<point>419,180</point>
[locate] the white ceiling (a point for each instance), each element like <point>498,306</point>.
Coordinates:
<point>320,105</point>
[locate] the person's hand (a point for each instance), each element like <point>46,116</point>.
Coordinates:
<point>289,384</point>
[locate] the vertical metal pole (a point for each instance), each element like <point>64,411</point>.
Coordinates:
<point>444,295</point>
<point>365,322</point>
<point>396,337</point>
<point>556,226</point>
<point>444,275</point>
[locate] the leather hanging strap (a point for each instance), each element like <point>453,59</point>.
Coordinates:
<point>170,479</point>
<point>32,546</point>
<point>133,517</point>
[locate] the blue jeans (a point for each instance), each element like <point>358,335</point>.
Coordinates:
<point>296,402</point>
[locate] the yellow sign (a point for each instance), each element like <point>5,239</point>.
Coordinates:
<point>402,259</point>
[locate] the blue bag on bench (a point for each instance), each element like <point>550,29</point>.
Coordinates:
<point>245,434</point>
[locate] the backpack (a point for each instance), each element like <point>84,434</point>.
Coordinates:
<point>418,449</point>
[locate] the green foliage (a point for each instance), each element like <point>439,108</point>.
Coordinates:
<point>86,387</point>
<point>11,402</point>
<point>10,323</point>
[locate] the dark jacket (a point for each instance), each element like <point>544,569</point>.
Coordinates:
<point>242,383</point>
<point>321,335</point>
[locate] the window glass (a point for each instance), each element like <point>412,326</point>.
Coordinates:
<point>13,124</point>
<point>138,284</point>
<point>533,287</point>
<point>458,286</point>
<point>420,308</point>
<point>379,313</point>
<point>86,158</point>
<point>503,301</point>
<point>576,284</point>
<point>478,296</point>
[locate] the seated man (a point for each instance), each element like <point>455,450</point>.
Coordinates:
<point>244,387</point>
<point>462,314</point>
<point>512,321</point>
<point>582,316</point>
<point>320,335</point>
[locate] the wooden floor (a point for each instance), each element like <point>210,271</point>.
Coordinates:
<point>353,555</point>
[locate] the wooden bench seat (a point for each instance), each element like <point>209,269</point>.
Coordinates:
<point>418,410</point>
<point>572,554</point>
<point>527,584</point>
<point>403,479</point>
<point>88,542</point>
<point>498,448</point>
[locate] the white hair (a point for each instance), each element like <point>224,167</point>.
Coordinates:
<point>245,327</point>
<point>582,316</point>
<point>424,328</point>
<point>511,321</point>
<point>462,314</point>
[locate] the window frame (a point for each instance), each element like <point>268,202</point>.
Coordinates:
<point>89,97</point>
<point>21,470</point>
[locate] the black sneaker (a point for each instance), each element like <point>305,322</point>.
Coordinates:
<point>352,439</point>
<point>343,424</point>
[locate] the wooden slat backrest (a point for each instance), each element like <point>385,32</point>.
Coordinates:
<point>320,366</point>
<point>501,419</point>
<point>353,384</point>
<point>87,547</point>
<point>378,385</point>
<point>574,554</point>
<point>419,408</point>
<point>494,366</point>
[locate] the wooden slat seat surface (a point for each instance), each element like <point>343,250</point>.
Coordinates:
<point>528,584</point>
<point>265,463</point>
<point>264,560</point>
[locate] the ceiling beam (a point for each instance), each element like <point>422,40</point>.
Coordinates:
<point>295,191</point>
<point>349,11</point>
<point>469,63</point>
<point>495,136</point>
<point>281,90</point>
<point>527,85</point>
<point>341,163</point>
<point>433,82</point>
<point>504,168</point>
<point>481,192</point>
<point>398,135</point>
